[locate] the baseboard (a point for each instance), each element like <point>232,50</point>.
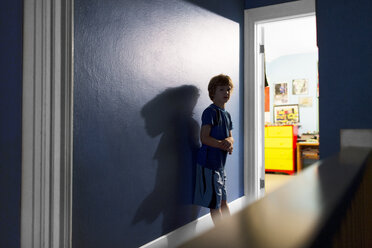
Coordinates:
<point>193,229</point>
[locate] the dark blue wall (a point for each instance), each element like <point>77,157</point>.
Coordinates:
<point>345,80</point>
<point>345,69</point>
<point>10,121</point>
<point>141,75</point>
<point>250,4</point>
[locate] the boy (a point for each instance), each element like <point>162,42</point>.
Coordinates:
<point>217,141</point>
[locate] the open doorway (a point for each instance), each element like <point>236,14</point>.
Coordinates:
<point>254,90</point>
<point>291,134</point>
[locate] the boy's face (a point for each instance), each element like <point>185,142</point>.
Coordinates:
<point>222,94</point>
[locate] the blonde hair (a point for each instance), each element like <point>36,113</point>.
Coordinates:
<point>219,80</point>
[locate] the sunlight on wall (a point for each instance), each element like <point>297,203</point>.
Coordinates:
<point>170,45</point>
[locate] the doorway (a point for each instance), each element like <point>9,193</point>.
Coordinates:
<point>291,97</point>
<point>254,81</point>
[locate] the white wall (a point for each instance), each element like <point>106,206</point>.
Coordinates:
<point>291,53</point>
<point>297,66</point>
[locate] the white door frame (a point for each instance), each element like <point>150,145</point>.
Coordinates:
<point>254,169</point>
<point>47,124</point>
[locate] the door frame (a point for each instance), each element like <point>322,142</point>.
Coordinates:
<point>47,86</point>
<point>254,169</point>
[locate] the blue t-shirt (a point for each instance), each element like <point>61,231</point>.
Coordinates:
<point>220,121</point>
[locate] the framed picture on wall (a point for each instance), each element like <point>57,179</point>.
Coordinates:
<point>300,87</point>
<point>286,114</point>
<point>305,101</point>
<point>281,93</point>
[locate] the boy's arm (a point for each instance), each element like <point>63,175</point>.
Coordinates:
<point>230,140</point>
<point>206,139</point>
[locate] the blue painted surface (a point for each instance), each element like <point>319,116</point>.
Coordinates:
<point>250,4</point>
<point>345,71</point>
<point>10,121</point>
<point>345,75</point>
<point>141,75</point>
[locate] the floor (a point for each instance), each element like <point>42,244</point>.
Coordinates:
<point>275,180</point>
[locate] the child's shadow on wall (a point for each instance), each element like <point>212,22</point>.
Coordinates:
<point>170,114</point>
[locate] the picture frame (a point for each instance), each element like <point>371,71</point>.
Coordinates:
<point>300,87</point>
<point>281,93</point>
<point>286,114</point>
<point>305,101</point>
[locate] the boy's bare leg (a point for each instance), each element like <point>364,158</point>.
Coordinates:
<point>225,208</point>
<point>216,215</point>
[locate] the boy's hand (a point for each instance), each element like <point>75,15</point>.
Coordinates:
<point>226,145</point>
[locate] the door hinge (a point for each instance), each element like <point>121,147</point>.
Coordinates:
<point>262,48</point>
<point>262,183</point>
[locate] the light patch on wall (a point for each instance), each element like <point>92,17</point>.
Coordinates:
<point>164,44</point>
<point>293,36</point>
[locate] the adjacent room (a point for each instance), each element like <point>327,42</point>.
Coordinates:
<point>291,97</point>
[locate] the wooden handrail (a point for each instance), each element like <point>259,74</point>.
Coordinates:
<point>302,213</point>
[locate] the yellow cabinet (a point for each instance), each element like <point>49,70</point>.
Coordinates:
<point>280,148</point>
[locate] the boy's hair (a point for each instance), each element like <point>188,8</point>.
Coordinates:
<point>219,80</point>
